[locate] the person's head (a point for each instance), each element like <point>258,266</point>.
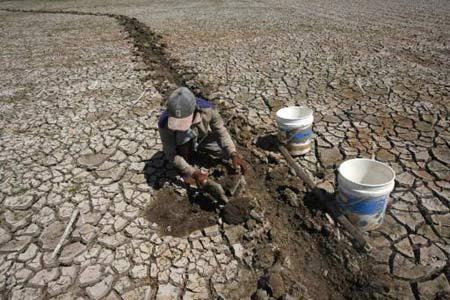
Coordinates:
<point>181,107</point>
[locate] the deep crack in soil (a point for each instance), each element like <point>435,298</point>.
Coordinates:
<point>298,255</point>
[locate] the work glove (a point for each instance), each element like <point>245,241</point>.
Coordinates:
<point>198,177</point>
<point>238,163</point>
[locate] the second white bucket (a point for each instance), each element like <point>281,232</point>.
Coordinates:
<point>364,188</point>
<point>295,128</point>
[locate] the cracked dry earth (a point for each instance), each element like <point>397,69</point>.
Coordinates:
<point>78,130</point>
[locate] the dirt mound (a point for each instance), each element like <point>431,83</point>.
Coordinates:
<point>176,215</point>
<point>179,215</point>
<point>237,211</point>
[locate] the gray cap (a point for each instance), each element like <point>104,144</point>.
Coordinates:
<point>181,106</point>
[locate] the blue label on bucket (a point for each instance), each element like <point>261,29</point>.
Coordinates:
<point>365,206</point>
<point>299,136</point>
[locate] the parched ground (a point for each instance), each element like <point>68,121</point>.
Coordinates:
<point>79,102</point>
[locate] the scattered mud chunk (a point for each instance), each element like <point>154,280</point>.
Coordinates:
<point>272,282</point>
<point>276,284</point>
<point>231,214</point>
<point>237,211</point>
<point>260,294</point>
<point>290,197</point>
<point>265,257</point>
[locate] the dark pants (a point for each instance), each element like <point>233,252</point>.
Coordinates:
<point>209,145</point>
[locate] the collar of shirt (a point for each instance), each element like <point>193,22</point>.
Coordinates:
<point>198,118</point>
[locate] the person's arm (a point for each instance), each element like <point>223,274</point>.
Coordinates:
<point>217,126</point>
<point>169,148</point>
<point>226,143</point>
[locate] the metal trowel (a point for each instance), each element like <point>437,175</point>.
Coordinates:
<point>237,185</point>
<point>217,191</point>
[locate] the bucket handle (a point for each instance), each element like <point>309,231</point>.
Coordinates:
<point>373,150</point>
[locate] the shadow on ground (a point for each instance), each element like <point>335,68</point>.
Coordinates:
<point>268,142</point>
<point>159,171</point>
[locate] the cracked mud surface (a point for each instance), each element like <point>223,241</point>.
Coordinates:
<point>73,134</point>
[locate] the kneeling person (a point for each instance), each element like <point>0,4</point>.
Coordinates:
<point>189,124</point>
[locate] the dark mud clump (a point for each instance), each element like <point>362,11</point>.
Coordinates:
<point>236,211</point>
<point>231,214</point>
<point>176,215</point>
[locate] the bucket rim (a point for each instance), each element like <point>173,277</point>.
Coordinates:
<point>392,172</point>
<point>309,111</point>
<point>368,194</point>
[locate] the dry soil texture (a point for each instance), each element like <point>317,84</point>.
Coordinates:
<point>80,95</point>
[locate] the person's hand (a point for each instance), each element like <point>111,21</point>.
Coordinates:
<point>238,163</point>
<point>200,178</point>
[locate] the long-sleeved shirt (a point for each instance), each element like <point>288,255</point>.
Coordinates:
<point>210,122</point>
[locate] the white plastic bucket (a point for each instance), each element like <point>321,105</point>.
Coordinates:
<point>295,128</point>
<point>363,191</point>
